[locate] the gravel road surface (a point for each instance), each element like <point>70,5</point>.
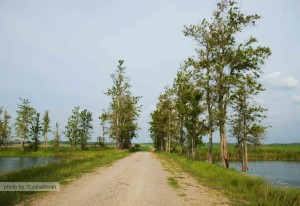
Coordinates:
<point>138,179</point>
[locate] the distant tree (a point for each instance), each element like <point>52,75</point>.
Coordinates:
<point>179,90</point>
<point>35,131</point>
<point>72,130</point>
<point>123,109</point>
<point>85,127</point>
<point>129,114</point>
<point>189,102</point>
<point>157,131</point>
<point>164,125</point>
<point>5,129</point>
<point>24,120</point>
<point>56,141</point>
<point>46,127</point>
<point>104,123</point>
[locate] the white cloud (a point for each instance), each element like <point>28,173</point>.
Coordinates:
<point>278,80</point>
<point>296,99</point>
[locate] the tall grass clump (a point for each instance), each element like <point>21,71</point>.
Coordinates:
<point>241,188</point>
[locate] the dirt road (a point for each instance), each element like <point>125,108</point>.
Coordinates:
<point>135,180</point>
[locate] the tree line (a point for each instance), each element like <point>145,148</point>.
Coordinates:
<point>118,122</point>
<point>214,90</point>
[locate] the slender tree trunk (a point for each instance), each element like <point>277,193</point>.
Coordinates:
<point>181,136</point>
<point>211,159</point>
<point>117,132</point>
<point>245,157</point>
<point>245,152</point>
<point>22,143</point>
<point>45,140</point>
<point>224,148</point>
<point>193,148</point>
<point>169,132</point>
<point>210,125</point>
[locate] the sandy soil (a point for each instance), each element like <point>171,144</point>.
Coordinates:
<point>135,180</point>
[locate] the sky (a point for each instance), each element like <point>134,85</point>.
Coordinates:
<point>60,53</point>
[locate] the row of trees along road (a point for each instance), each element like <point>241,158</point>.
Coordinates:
<point>215,88</point>
<point>119,122</point>
<point>27,125</point>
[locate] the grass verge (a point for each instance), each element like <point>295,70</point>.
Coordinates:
<point>241,189</point>
<point>62,171</point>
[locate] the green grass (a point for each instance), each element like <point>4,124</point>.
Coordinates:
<point>270,152</point>
<point>75,165</point>
<point>240,188</point>
<point>173,182</point>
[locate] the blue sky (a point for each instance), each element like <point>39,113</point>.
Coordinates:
<point>59,54</point>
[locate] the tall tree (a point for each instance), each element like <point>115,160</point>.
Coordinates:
<point>35,131</point>
<point>164,125</point>
<point>46,127</point>
<point>85,127</point>
<point>190,107</point>
<point>72,130</point>
<point>5,129</point>
<point>203,72</point>
<point>156,129</point>
<point>229,59</point>
<point>24,120</point>
<point>123,110</point>
<point>246,119</point>
<point>179,91</point>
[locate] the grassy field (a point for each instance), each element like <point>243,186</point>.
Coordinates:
<point>283,152</point>
<point>72,165</point>
<point>240,188</point>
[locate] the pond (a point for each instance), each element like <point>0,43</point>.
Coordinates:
<point>16,163</point>
<point>278,173</point>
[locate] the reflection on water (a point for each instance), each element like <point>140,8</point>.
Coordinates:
<point>280,173</point>
<point>16,163</point>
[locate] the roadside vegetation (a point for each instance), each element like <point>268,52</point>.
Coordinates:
<point>240,188</point>
<point>270,152</point>
<point>71,166</point>
<point>215,90</point>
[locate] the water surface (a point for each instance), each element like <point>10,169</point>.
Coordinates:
<point>16,163</point>
<point>279,173</point>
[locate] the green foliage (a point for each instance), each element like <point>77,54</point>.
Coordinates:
<point>85,127</point>
<point>35,131</point>
<point>79,127</point>
<point>123,111</point>
<point>223,74</point>
<point>177,117</point>
<point>5,129</point>
<point>72,131</point>
<point>104,123</point>
<point>173,182</point>
<point>24,120</point>
<point>46,127</point>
